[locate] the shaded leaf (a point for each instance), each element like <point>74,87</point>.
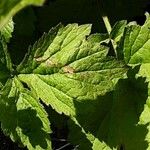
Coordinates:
<point>113,120</point>
<point>23,118</point>
<point>5,62</point>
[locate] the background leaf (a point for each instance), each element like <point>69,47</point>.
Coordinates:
<point>9,8</point>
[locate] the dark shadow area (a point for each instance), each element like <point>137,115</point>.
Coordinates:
<point>25,34</point>
<point>7,144</point>
<point>60,129</point>
<point>88,11</point>
<point>113,118</point>
<point>141,18</point>
<point>77,137</point>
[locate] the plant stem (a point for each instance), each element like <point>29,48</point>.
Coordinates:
<point>107,23</point>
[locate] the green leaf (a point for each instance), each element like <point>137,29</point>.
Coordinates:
<point>118,30</point>
<point>5,61</point>
<point>9,8</point>
<point>116,122</point>
<point>29,62</point>
<point>115,37</point>
<point>70,68</point>
<point>135,43</point>
<point>7,30</point>
<point>23,118</point>
<point>98,38</point>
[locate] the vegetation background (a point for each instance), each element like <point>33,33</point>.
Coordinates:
<point>31,22</point>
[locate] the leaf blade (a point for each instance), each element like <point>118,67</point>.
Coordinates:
<point>70,68</point>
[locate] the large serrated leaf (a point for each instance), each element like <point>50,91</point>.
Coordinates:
<point>69,68</point>
<point>23,118</point>
<point>10,7</point>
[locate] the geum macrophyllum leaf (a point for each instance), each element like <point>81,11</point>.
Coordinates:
<point>135,44</point>
<point>10,7</point>
<point>23,118</point>
<point>112,122</point>
<point>64,67</point>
